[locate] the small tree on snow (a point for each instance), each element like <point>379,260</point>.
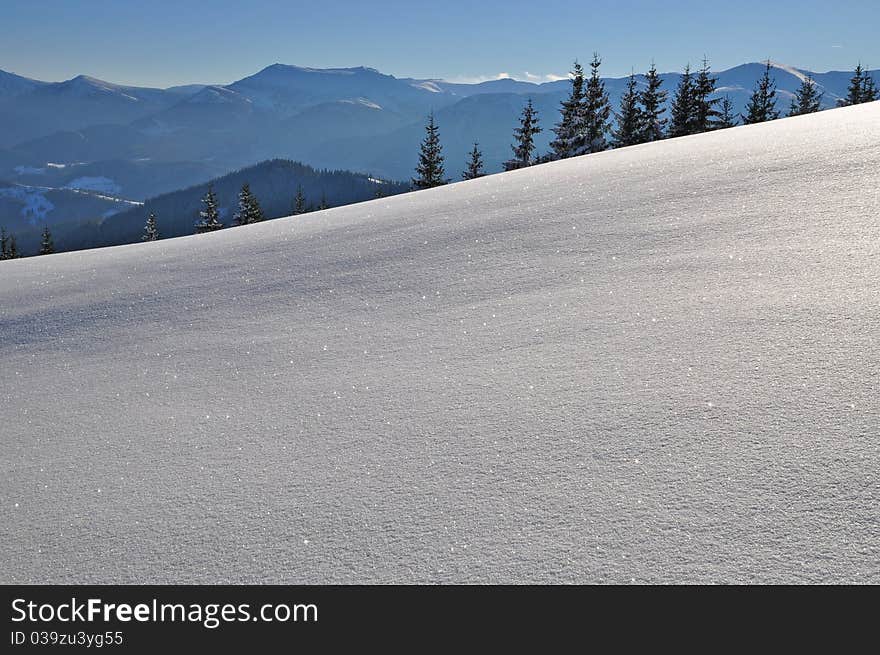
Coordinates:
<point>629,118</point>
<point>726,116</point>
<point>474,165</point>
<point>209,214</point>
<point>8,249</point>
<point>653,101</point>
<point>705,116</point>
<point>682,109</point>
<point>151,231</point>
<point>762,105</point>
<point>570,131</point>
<point>525,138</point>
<point>47,246</point>
<point>854,92</point>
<point>870,92</point>
<point>807,99</point>
<point>429,172</point>
<point>597,109</point>
<point>299,202</point>
<point>249,210</point>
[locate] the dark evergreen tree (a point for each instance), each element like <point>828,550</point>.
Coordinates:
<point>4,244</point>
<point>705,116</point>
<point>726,116</point>
<point>151,232</point>
<point>807,99</point>
<point>762,105</point>
<point>629,118</point>
<point>856,88</point>
<point>474,165</point>
<point>47,246</point>
<point>209,214</point>
<point>653,100</point>
<point>324,204</point>
<point>683,105</point>
<point>524,136</point>
<point>869,88</point>
<point>299,202</point>
<point>249,210</point>
<point>570,131</point>
<point>13,248</point>
<point>597,110</point>
<point>429,172</point>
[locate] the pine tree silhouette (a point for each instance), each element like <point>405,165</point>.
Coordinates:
<point>762,105</point>
<point>151,232</point>
<point>429,172</point>
<point>524,136</point>
<point>629,118</point>
<point>474,165</point>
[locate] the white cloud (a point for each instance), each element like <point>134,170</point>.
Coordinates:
<point>546,77</point>
<point>525,77</point>
<point>476,79</point>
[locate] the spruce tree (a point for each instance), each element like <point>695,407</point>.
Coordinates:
<point>597,109</point>
<point>4,244</point>
<point>762,105</point>
<point>256,211</point>
<point>807,99</point>
<point>47,247</point>
<point>653,100</point>
<point>429,172</point>
<point>705,115</point>
<point>242,214</point>
<point>629,118</point>
<point>683,105</point>
<point>209,214</point>
<point>151,232</point>
<point>854,92</point>
<point>474,165</point>
<point>570,131</point>
<point>13,248</point>
<point>869,88</point>
<point>524,136</point>
<point>249,210</point>
<point>299,202</point>
<point>726,116</point>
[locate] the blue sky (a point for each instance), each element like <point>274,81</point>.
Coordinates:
<point>163,42</point>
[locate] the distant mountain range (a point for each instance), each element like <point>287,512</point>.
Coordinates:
<point>140,142</point>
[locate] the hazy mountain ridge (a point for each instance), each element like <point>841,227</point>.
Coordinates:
<point>352,118</point>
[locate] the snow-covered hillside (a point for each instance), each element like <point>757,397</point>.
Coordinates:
<point>657,364</point>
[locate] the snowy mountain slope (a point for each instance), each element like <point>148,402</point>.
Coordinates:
<point>42,109</point>
<point>287,90</point>
<point>12,85</point>
<point>656,364</point>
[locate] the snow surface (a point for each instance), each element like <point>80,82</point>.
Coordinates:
<point>657,364</point>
